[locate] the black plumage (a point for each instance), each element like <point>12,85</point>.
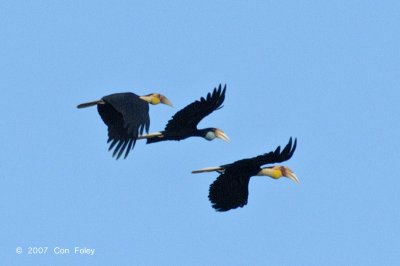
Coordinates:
<point>126,116</point>
<point>231,189</point>
<point>184,123</point>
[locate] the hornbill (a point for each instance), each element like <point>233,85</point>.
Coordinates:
<point>231,189</point>
<point>184,123</point>
<point>126,116</point>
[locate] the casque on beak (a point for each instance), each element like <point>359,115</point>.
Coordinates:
<point>221,135</point>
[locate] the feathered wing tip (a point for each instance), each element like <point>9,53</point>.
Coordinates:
<point>223,89</point>
<point>219,90</point>
<point>126,145</point>
<point>123,145</point>
<point>218,95</point>
<point>88,104</point>
<point>287,151</point>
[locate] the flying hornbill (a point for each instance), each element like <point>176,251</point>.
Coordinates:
<point>126,116</point>
<point>184,123</point>
<point>231,189</point>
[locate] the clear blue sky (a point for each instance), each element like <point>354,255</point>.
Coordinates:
<point>326,72</point>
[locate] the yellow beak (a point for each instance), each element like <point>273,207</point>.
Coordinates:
<point>156,98</point>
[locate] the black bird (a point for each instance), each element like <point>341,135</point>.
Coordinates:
<point>231,189</point>
<point>126,116</point>
<point>184,123</point>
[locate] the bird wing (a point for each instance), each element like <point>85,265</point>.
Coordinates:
<point>126,116</point>
<point>277,156</point>
<point>229,191</point>
<point>193,113</point>
<point>271,157</point>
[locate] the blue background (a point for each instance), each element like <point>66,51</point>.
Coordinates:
<point>326,72</point>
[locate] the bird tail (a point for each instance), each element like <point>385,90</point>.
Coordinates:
<point>208,169</point>
<point>154,140</point>
<point>152,137</point>
<point>88,104</point>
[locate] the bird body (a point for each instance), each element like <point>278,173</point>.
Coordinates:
<point>230,189</point>
<point>184,123</point>
<point>126,116</point>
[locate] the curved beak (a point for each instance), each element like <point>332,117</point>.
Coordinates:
<point>156,98</point>
<point>165,100</point>
<point>221,135</point>
<point>293,177</point>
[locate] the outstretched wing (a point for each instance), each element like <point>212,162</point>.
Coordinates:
<point>126,116</point>
<point>229,191</point>
<point>271,157</point>
<point>277,156</point>
<point>193,113</point>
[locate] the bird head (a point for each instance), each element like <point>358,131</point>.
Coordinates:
<point>156,98</point>
<point>212,133</point>
<point>277,172</point>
